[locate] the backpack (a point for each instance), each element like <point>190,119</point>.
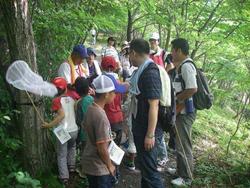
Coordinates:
<point>167,106</point>
<point>203,98</point>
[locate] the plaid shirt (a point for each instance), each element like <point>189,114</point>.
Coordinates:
<point>151,88</point>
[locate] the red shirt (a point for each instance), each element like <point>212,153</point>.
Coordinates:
<point>56,104</point>
<point>114,110</point>
<point>158,59</point>
<point>73,94</point>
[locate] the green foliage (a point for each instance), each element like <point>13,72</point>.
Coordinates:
<point>9,143</point>
<point>219,37</point>
<point>58,27</point>
<point>211,133</point>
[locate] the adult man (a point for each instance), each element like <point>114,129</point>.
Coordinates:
<point>185,86</point>
<point>75,66</point>
<point>145,86</point>
<point>157,54</point>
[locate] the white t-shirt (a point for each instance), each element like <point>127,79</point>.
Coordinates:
<point>125,62</point>
<point>69,121</point>
<point>110,51</point>
<point>65,71</point>
<point>188,73</point>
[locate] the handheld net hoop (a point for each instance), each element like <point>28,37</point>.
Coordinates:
<point>22,77</point>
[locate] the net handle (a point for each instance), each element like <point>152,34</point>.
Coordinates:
<point>33,104</point>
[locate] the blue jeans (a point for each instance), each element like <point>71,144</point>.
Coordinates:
<point>161,147</point>
<point>147,163</point>
<point>100,181</point>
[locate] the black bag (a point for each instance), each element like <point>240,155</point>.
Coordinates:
<point>203,98</point>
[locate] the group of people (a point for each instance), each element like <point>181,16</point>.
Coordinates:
<point>118,99</point>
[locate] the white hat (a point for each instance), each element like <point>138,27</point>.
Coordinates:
<point>125,43</point>
<point>154,36</point>
<point>106,83</point>
<point>103,84</point>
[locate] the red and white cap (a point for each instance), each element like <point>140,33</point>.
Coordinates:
<point>60,82</point>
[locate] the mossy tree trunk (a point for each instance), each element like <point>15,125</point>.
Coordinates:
<point>18,28</point>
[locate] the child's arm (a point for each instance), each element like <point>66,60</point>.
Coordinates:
<point>59,117</point>
<point>102,149</point>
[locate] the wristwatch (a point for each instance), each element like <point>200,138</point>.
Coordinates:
<point>150,135</point>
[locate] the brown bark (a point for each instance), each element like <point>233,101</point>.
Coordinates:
<point>21,44</point>
<point>160,34</point>
<point>129,26</point>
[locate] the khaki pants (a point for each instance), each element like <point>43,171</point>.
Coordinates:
<point>184,124</point>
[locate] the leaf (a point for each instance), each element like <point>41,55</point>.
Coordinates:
<point>7,118</point>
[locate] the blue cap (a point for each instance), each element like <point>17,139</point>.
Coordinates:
<point>91,51</point>
<point>81,50</point>
<point>119,88</point>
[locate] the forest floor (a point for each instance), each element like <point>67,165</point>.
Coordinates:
<point>131,179</point>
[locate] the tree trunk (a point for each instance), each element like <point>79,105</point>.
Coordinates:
<point>168,37</point>
<point>18,26</point>
<point>129,26</point>
<point>160,34</point>
<point>144,30</point>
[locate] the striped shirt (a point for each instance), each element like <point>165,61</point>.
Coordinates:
<point>110,51</point>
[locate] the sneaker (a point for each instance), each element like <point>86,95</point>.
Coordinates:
<point>114,180</point>
<point>180,182</point>
<point>130,165</point>
<point>160,169</point>
<point>162,162</point>
<point>171,171</point>
<point>80,173</point>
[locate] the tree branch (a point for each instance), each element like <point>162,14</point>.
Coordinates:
<point>140,17</point>
<point>228,34</point>
<point>210,16</point>
<point>198,15</point>
<point>136,28</point>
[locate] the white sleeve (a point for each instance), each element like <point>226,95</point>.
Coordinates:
<point>103,51</point>
<point>65,72</point>
<point>116,56</point>
<point>188,72</point>
<point>85,65</point>
<point>97,68</point>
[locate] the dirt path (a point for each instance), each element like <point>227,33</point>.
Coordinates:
<point>128,179</point>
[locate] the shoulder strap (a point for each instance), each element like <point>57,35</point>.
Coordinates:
<point>180,75</point>
<point>188,61</point>
<point>162,55</point>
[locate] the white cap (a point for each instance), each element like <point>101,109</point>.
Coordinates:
<point>103,84</point>
<point>154,36</point>
<point>125,43</point>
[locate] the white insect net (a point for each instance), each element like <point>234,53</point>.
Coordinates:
<point>22,77</point>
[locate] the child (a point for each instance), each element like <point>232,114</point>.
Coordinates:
<point>113,109</point>
<point>82,88</point>
<point>63,105</point>
<point>96,162</point>
<point>130,148</point>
